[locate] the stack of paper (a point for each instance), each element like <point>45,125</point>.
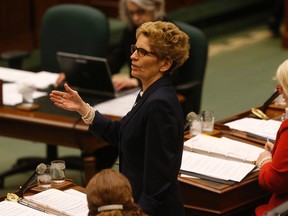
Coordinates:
<point>49,202</point>
<point>257,127</point>
<point>13,77</point>
<point>219,158</point>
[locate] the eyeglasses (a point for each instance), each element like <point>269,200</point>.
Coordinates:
<point>279,89</point>
<point>141,52</point>
<point>138,12</point>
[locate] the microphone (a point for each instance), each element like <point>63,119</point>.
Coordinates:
<point>189,118</point>
<point>269,101</point>
<point>40,169</point>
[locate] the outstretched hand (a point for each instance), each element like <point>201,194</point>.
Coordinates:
<point>69,100</point>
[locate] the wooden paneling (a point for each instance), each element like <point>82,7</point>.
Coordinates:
<point>20,20</point>
<point>15,24</point>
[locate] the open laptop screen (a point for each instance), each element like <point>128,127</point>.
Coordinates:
<point>87,74</point>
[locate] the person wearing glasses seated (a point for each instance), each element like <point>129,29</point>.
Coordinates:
<point>150,135</point>
<point>273,162</point>
<point>110,193</point>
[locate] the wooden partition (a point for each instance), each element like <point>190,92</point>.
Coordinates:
<point>285,32</point>
<point>20,20</point>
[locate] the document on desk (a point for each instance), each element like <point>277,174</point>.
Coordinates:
<point>13,75</point>
<point>65,203</point>
<point>11,95</point>
<point>40,80</point>
<point>218,158</point>
<point>258,128</point>
<point>9,208</point>
<point>119,106</point>
<point>49,202</point>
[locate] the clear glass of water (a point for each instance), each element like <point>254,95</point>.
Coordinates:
<point>208,121</point>
<point>44,180</point>
<point>196,126</point>
<point>57,170</point>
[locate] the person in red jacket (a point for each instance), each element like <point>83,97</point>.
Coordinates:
<point>273,162</point>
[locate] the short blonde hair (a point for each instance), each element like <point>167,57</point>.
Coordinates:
<point>282,76</point>
<point>158,6</point>
<point>167,41</point>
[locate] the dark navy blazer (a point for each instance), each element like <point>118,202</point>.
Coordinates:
<point>150,140</point>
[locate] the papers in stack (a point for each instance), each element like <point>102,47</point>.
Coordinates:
<point>218,158</point>
<point>118,106</point>
<point>49,202</point>
<point>11,95</point>
<point>258,128</point>
<point>41,80</point>
<point>12,77</point>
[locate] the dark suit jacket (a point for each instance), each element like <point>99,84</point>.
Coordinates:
<point>150,139</point>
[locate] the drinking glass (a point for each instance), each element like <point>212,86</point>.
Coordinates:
<point>57,170</point>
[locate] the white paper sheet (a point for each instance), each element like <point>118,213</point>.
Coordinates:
<point>215,167</point>
<point>224,147</point>
<point>11,96</point>
<point>9,208</point>
<point>65,202</point>
<point>14,75</point>
<point>42,79</point>
<point>263,128</point>
<point>118,106</point>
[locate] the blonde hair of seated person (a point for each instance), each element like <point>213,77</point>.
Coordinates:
<point>109,193</point>
<point>155,6</point>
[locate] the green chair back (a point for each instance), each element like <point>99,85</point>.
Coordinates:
<point>72,28</point>
<point>190,77</point>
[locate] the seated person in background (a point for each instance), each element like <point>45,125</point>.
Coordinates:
<point>133,13</point>
<point>150,136</point>
<point>109,193</point>
<point>273,162</point>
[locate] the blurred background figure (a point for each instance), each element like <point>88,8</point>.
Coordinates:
<point>276,17</point>
<point>133,13</point>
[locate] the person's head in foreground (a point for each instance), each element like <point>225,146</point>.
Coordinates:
<point>109,193</point>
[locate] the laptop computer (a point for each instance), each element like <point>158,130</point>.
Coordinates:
<point>89,74</point>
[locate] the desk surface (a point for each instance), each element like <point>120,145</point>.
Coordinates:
<point>203,197</point>
<point>52,125</point>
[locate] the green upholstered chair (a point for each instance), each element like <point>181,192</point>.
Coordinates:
<point>190,77</point>
<point>72,28</point>
<point>68,28</point>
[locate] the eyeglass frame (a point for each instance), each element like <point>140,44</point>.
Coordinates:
<point>279,89</point>
<point>141,51</point>
<point>138,12</point>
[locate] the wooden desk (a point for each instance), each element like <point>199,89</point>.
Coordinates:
<point>210,198</point>
<point>51,125</point>
<point>203,197</point>
<point>32,189</point>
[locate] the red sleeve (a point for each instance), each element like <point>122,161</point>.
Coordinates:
<point>273,176</point>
